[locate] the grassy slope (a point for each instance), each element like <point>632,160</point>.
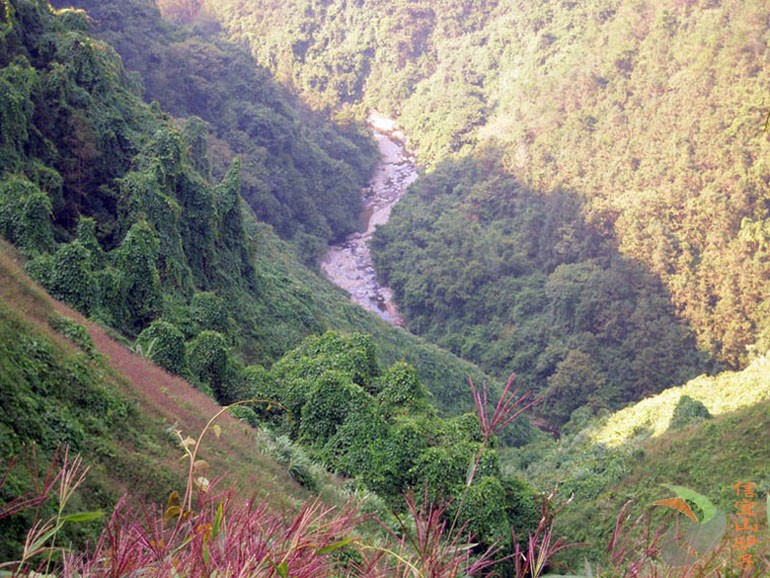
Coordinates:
<point>728,392</point>
<point>142,457</point>
<point>708,457</point>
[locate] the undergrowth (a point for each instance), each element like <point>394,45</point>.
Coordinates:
<point>209,532</point>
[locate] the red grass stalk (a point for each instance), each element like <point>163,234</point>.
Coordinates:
<point>508,408</point>
<point>39,495</point>
<point>220,538</point>
<point>432,549</point>
<point>530,561</point>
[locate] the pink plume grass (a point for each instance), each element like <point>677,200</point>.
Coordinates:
<point>508,407</point>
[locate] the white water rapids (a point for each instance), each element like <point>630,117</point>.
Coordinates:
<point>349,264</point>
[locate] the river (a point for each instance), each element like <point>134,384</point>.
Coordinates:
<point>349,264</point>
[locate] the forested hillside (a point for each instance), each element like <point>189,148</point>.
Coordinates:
<point>114,209</point>
<point>299,172</point>
<point>617,145</point>
<point>592,216</point>
<point>114,203</point>
<point>514,279</point>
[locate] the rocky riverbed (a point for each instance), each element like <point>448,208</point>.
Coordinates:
<point>349,264</point>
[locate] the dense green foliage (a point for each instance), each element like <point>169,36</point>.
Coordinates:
<point>594,217</point>
<point>299,172</point>
<point>519,281</point>
<point>25,216</point>
<point>53,396</point>
<point>110,201</point>
<point>114,201</point>
<point>64,381</point>
<point>164,344</point>
<point>595,213</point>
<point>635,127</point>
<point>377,426</point>
<point>688,411</point>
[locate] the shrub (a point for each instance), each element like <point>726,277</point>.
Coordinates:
<point>395,457</point>
<point>17,83</point>
<point>163,344</point>
<point>209,313</point>
<point>258,383</point>
<point>521,505</point>
<point>485,508</point>
<point>71,277</point>
<point>73,331</point>
<point>86,235</point>
<point>443,469</point>
<point>25,216</point>
<point>402,391</point>
<point>355,354</point>
<point>207,357</point>
<point>688,411</point>
<point>301,471</point>
<point>298,370</point>
<point>351,450</point>
<point>332,398</point>
<point>140,289</point>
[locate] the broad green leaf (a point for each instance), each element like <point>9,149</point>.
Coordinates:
<point>709,509</point>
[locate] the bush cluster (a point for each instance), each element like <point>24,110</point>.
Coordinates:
<point>376,425</point>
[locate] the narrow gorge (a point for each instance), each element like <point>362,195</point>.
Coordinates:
<point>349,264</point>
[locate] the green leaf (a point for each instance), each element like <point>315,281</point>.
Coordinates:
<point>83,517</point>
<point>41,541</point>
<point>709,509</point>
<point>217,520</point>
<point>335,546</point>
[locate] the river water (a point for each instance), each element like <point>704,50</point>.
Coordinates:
<point>349,264</point>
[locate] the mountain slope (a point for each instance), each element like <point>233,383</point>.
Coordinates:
<point>629,454</point>
<point>105,199</point>
<point>646,119</point>
<point>123,221</point>
<point>77,385</point>
<point>299,171</point>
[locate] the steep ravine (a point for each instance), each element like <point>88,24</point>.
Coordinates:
<point>349,264</point>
